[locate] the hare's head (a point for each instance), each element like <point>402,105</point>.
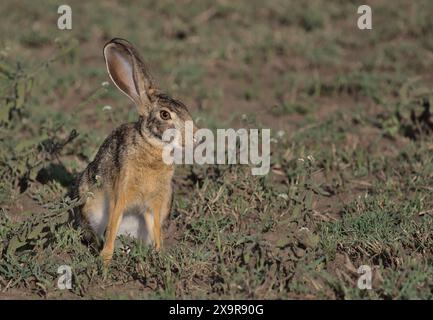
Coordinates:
<point>158,111</point>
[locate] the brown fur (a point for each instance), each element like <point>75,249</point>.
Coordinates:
<point>128,170</point>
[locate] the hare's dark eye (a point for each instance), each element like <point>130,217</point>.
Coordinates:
<point>165,115</point>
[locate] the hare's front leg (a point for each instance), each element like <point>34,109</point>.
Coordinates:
<point>159,208</point>
<point>155,212</point>
<point>117,207</point>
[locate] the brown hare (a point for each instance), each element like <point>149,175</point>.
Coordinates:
<point>127,188</point>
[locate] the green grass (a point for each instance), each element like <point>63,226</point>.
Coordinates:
<point>352,170</point>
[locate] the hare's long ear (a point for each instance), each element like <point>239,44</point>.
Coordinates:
<point>128,72</point>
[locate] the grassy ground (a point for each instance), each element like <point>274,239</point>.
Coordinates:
<point>350,116</point>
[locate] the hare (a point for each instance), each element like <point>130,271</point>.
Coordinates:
<point>127,188</point>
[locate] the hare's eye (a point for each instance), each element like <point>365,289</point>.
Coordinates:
<point>165,115</point>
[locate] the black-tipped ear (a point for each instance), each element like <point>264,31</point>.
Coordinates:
<point>128,72</point>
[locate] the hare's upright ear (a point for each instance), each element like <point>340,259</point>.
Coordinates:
<point>128,72</point>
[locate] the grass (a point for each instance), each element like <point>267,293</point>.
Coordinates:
<point>351,124</point>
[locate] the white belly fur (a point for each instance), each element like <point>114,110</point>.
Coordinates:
<point>134,223</point>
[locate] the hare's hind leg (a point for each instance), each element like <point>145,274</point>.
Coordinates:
<point>95,212</point>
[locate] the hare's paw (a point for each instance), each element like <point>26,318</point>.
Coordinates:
<point>106,256</point>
